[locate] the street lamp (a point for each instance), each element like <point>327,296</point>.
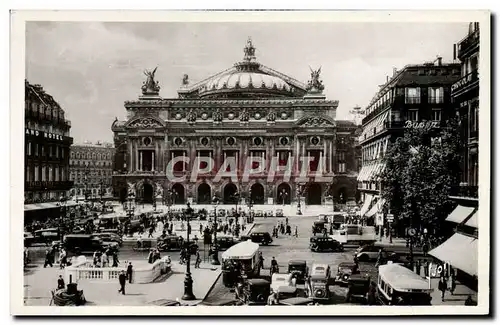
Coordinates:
<point>62,203</point>
<point>215,254</point>
<point>299,211</point>
<point>188,281</point>
<point>236,198</point>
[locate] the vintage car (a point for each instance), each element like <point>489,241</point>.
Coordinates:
<point>318,227</point>
<point>398,285</point>
<point>296,301</point>
<point>169,243</point>
<point>224,242</point>
<point>279,212</point>
<point>358,287</point>
<point>319,281</point>
<point>281,280</point>
<point>109,237</point>
<point>46,236</point>
<point>263,238</point>
<point>298,269</point>
<point>254,292</point>
<point>370,253</point>
<point>345,271</point>
<point>285,292</point>
<point>325,243</point>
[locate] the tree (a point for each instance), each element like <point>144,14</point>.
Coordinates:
<point>421,167</point>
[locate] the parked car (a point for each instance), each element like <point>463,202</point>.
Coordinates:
<point>279,212</point>
<point>46,236</point>
<point>318,227</point>
<point>325,243</point>
<point>345,271</point>
<point>319,281</point>
<point>370,253</point>
<point>299,270</point>
<point>358,287</point>
<point>254,292</point>
<point>224,242</point>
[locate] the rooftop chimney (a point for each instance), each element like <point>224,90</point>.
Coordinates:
<point>386,78</point>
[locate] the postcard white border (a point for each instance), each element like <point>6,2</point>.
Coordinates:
<point>18,19</point>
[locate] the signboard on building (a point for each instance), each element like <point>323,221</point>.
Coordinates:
<point>45,135</point>
<point>379,219</point>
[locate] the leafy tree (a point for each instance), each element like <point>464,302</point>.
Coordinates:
<point>421,167</point>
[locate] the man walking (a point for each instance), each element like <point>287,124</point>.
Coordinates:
<point>122,278</point>
<point>60,283</point>
<point>129,272</point>
<point>442,287</point>
<point>198,260</point>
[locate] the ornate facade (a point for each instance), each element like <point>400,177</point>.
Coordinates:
<point>91,169</point>
<point>247,111</point>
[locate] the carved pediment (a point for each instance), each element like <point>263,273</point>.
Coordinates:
<point>145,123</point>
<point>316,121</point>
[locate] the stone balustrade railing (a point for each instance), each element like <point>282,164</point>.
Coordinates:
<point>84,270</point>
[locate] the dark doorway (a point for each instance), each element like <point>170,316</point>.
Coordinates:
<point>257,193</point>
<point>147,196</point>
<point>229,190</point>
<point>314,194</point>
<point>179,196</point>
<point>123,194</point>
<point>341,195</point>
<point>284,194</point>
<point>147,160</point>
<point>204,193</point>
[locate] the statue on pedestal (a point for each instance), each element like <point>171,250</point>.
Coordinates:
<point>150,86</point>
<point>315,85</point>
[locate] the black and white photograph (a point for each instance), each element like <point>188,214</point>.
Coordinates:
<point>214,163</point>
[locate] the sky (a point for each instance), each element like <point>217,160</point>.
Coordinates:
<point>91,68</point>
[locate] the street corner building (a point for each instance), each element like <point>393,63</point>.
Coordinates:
<point>247,111</point>
<point>47,141</point>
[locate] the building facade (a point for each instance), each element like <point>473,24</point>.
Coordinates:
<point>248,117</point>
<point>47,141</point>
<point>346,160</point>
<point>416,94</point>
<point>91,170</point>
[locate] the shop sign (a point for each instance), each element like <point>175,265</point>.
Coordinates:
<point>421,125</point>
<point>45,135</point>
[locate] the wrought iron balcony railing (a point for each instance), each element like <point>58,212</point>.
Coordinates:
<point>465,82</point>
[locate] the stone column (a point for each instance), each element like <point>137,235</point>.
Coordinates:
<point>330,156</point>
<point>296,155</point>
<point>136,151</point>
<point>218,143</point>
<point>140,161</point>
<point>325,156</point>
<point>130,156</point>
<point>268,154</point>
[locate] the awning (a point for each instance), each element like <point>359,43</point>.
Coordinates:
<point>366,204</point>
<point>40,206</point>
<point>361,173</point>
<point>380,169</point>
<point>372,211</point>
<point>460,251</point>
<point>460,214</point>
<point>472,222</point>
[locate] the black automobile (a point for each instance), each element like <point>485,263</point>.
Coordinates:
<point>169,243</point>
<point>263,238</point>
<point>46,236</point>
<point>224,242</point>
<point>345,271</point>
<point>318,227</point>
<point>358,287</point>
<point>80,244</point>
<point>254,292</point>
<point>299,270</point>
<point>325,243</point>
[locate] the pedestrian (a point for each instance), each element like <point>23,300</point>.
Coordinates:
<point>453,281</point>
<point>62,259</point>
<point>442,287</point>
<point>379,258</point>
<point>201,228</point>
<point>48,259</point>
<point>425,248</point>
<point>150,256</point>
<point>198,260</point>
<point>129,272</point>
<point>156,255</point>
<point>296,232</point>
<point>122,279</point>
<point>115,259</point>
<point>417,266</point>
<point>426,268</point>
<point>261,260</point>
<point>60,283</point>
<point>104,259</point>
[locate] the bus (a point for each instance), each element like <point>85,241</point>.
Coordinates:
<point>243,256</point>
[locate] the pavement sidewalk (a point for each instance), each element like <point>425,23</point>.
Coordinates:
<point>40,281</point>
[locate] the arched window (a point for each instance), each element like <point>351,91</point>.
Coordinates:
<point>98,156</point>
<point>88,155</point>
<point>72,155</point>
<point>93,156</point>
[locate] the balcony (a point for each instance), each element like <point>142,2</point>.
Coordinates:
<point>468,44</point>
<point>465,83</point>
<point>48,185</point>
<point>464,192</point>
<point>394,125</point>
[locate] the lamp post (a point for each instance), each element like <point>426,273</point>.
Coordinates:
<point>62,226</point>
<point>101,183</point>
<point>299,211</point>
<point>188,281</point>
<point>215,254</point>
<point>236,198</point>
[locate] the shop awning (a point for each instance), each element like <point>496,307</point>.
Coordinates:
<point>361,174</point>
<point>40,206</point>
<point>472,222</point>
<point>366,204</point>
<point>372,211</point>
<point>460,214</point>
<point>460,251</point>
